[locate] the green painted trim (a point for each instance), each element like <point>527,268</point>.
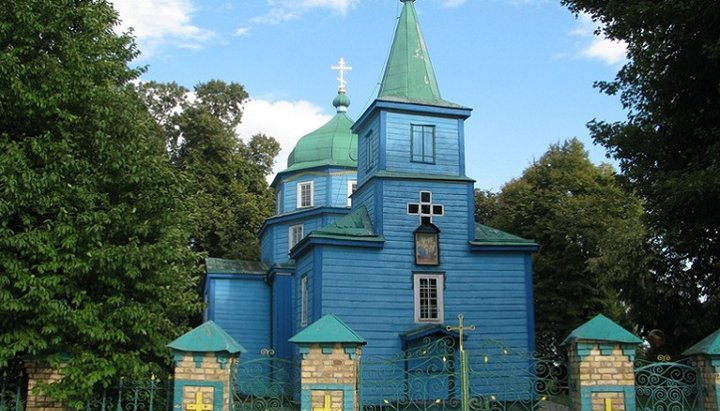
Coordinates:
<point>586,395</point>
<point>222,359</point>
<point>218,394</point>
<point>606,349</point>
<point>198,359</point>
<point>583,350</point>
<point>421,176</point>
<point>304,351</point>
<point>350,351</point>
<point>326,349</point>
<point>347,390</point>
<point>629,351</point>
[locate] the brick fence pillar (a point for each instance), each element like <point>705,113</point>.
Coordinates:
<point>705,356</point>
<point>330,356</point>
<point>203,363</point>
<point>600,366</point>
<point>38,374</point>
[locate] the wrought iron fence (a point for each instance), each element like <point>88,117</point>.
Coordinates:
<point>151,395</point>
<point>13,387</point>
<point>667,386</point>
<point>427,377</point>
<point>265,384</point>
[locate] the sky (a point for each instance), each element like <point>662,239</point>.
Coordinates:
<point>525,67</point>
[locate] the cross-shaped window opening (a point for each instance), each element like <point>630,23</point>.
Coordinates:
<point>425,209</point>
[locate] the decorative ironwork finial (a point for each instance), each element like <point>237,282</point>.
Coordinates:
<point>342,68</point>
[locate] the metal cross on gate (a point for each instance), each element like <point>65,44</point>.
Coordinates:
<point>464,384</point>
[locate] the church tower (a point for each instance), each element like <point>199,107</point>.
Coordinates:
<point>412,140</point>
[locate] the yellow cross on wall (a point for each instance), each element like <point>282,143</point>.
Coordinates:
<point>327,405</point>
<point>199,405</point>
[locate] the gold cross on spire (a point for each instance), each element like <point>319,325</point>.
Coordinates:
<point>342,68</point>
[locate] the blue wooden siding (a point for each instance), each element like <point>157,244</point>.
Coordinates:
<point>447,144</point>
<point>371,129</point>
<point>242,308</point>
<point>304,267</point>
<point>337,187</point>
<point>282,315</point>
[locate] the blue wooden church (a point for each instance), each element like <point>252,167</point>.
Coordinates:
<point>374,223</point>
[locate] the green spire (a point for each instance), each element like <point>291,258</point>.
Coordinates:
<point>409,74</point>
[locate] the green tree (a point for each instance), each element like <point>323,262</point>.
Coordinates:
<point>485,205</point>
<point>572,209</point>
<point>669,145</point>
<point>231,198</point>
<point>93,245</point>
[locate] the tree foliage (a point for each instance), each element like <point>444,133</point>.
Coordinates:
<point>93,245</point>
<point>668,147</point>
<point>573,210</point>
<point>231,198</point>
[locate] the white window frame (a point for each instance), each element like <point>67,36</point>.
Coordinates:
<point>351,190</point>
<point>295,234</point>
<point>299,194</point>
<point>421,316</point>
<point>304,300</point>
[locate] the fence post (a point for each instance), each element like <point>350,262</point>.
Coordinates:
<point>39,373</point>
<point>705,356</point>
<point>600,366</point>
<point>330,357</point>
<point>203,362</point>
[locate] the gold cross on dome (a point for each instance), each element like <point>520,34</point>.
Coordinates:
<point>199,405</point>
<point>342,68</point>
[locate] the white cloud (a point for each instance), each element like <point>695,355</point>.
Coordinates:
<point>451,3</point>
<point>161,22</point>
<point>286,121</point>
<point>242,31</point>
<point>285,10</point>
<point>596,46</point>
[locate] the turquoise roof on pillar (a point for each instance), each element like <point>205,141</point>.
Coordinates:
<point>328,329</point>
<point>602,328</point>
<point>208,337</point>
<point>709,345</point>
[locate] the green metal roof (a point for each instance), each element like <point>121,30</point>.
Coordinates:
<point>602,328</point>
<point>332,144</point>
<point>328,329</point>
<point>709,345</point>
<point>409,75</point>
<point>208,337</point>
<point>485,235</point>
<point>356,224</point>
<point>223,266</point>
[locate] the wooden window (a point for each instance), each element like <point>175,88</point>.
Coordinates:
<point>422,144</point>
<point>428,290</point>
<point>304,300</point>
<point>295,234</point>
<point>351,187</point>
<point>369,157</point>
<point>305,194</point>
<point>278,201</point>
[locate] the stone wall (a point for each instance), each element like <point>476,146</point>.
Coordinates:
<point>39,374</point>
<point>709,374</point>
<point>202,381</point>
<point>329,377</point>
<point>601,373</point>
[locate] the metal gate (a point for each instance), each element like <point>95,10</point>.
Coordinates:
<point>428,377</point>
<point>265,384</point>
<point>667,386</point>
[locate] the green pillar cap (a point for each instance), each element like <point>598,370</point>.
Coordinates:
<point>709,345</point>
<point>328,329</point>
<point>602,328</point>
<point>208,337</point>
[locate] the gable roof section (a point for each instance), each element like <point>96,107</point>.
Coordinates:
<point>709,345</point>
<point>328,329</point>
<point>488,236</point>
<point>224,266</point>
<point>356,225</point>
<point>601,328</point>
<point>208,337</point>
